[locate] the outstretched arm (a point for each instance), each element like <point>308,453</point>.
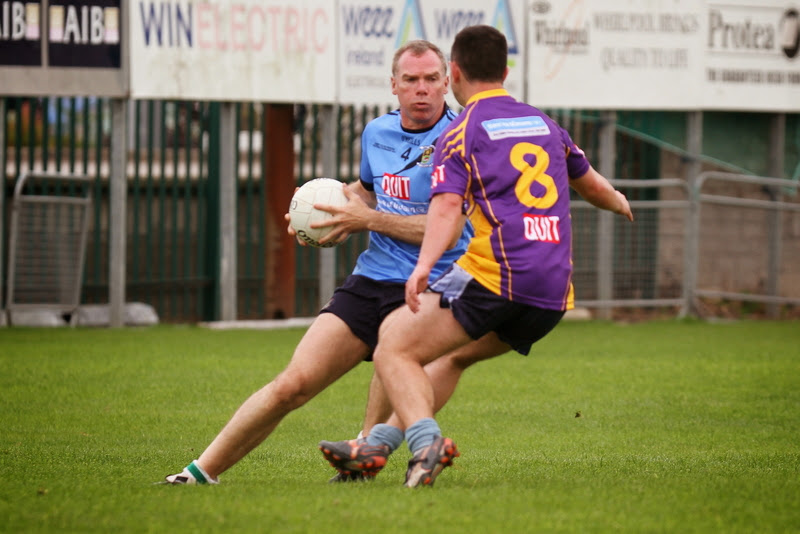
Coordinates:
<point>360,215</point>
<point>599,192</point>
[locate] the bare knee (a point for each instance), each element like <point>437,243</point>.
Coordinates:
<point>476,351</point>
<point>289,392</point>
<point>457,361</point>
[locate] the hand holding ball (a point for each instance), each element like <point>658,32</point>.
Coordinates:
<point>302,212</point>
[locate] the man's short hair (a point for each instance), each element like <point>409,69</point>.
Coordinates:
<point>417,48</point>
<point>481,52</point>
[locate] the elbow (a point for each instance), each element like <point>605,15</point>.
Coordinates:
<point>592,191</point>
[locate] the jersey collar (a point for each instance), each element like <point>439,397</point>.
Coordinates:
<point>429,128</point>
<point>487,94</point>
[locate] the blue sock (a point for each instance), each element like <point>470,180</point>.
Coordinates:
<point>422,433</point>
<point>383,434</point>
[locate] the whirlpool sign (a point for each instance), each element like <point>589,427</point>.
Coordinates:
<point>681,54</point>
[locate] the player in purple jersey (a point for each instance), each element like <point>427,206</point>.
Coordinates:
<point>346,331</point>
<point>511,161</point>
<point>513,165</point>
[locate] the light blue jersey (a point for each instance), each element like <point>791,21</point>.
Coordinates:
<point>396,164</point>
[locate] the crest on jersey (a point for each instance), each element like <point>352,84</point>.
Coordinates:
<point>426,159</point>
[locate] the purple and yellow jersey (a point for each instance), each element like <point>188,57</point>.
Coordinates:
<point>512,164</point>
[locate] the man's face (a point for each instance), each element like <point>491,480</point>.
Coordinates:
<point>420,85</point>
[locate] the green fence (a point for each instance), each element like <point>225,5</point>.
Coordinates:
<point>173,181</point>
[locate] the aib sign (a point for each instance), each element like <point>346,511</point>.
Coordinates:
<point>20,35</point>
<point>78,33</point>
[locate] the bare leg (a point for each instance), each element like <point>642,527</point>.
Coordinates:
<point>378,407</point>
<point>412,341</point>
<point>327,351</point>
<point>445,372</point>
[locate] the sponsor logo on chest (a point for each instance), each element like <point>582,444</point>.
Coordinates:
<point>542,228</point>
<point>396,186</point>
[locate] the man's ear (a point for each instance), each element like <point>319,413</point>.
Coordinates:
<point>455,72</point>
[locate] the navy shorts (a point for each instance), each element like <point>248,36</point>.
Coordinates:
<point>363,303</point>
<point>479,311</point>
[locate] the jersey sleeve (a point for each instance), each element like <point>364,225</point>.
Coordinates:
<point>450,169</point>
<point>367,176</point>
<point>577,164</point>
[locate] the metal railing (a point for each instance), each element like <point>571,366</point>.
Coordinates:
<point>738,245</point>
<point>646,265</point>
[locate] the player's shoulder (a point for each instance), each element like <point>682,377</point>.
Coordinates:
<point>452,117</point>
<point>389,120</point>
<point>449,114</point>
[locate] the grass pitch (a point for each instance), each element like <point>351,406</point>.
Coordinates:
<point>673,426</point>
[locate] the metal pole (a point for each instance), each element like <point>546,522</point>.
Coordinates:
<point>775,230</point>
<point>605,222</point>
<point>327,256</point>
<point>227,209</point>
<point>694,142</point>
<point>280,254</point>
<point>3,321</point>
<point>118,190</point>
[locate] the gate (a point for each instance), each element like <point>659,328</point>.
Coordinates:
<point>47,243</point>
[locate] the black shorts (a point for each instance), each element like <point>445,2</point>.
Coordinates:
<point>479,311</point>
<point>363,303</point>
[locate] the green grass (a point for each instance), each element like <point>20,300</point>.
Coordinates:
<point>683,426</point>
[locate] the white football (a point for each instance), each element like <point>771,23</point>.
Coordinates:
<point>302,212</point>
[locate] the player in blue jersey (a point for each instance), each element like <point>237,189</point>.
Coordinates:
<point>390,201</point>
<point>513,166</point>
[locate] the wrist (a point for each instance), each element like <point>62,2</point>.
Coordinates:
<point>374,222</point>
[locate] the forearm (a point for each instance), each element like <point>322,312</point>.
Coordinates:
<point>599,192</point>
<point>363,217</point>
<point>444,222</point>
<point>360,217</point>
<point>406,228</point>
